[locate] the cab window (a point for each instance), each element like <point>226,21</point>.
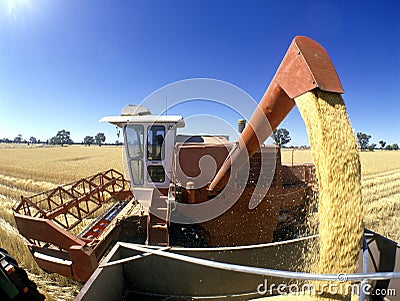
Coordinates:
<point>134,135</point>
<point>155,173</point>
<point>155,143</point>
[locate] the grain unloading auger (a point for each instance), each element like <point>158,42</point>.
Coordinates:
<point>306,66</point>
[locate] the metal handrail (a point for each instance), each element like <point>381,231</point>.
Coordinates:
<point>263,271</point>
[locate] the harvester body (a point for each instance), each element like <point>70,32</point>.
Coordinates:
<point>70,227</point>
<point>168,174</point>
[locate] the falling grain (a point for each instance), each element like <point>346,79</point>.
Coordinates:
<point>336,158</point>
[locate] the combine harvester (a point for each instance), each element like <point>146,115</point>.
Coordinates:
<point>159,248</point>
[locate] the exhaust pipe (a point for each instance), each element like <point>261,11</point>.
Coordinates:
<point>305,66</point>
<point>241,125</point>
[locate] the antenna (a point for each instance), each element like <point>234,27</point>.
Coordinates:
<point>166,105</point>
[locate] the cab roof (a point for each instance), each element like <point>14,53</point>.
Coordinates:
<point>120,121</point>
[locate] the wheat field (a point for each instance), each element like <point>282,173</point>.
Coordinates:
<point>28,170</point>
<point>380,188</point>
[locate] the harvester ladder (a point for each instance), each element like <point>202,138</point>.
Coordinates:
<point>157,222</point>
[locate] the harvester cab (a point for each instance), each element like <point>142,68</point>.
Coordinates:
<point>149,143</point>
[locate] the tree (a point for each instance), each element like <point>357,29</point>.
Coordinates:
<point>371,147</point>
<point>281,137</point>
<point>395,146</point>
<point>18,139</point>
<point>382,143</point>
<point>32,140</point>
<point>100,138</point>
<point>388,147</point>
<point>363,140</point>
<point>88,140</point>
<point>62,137</point>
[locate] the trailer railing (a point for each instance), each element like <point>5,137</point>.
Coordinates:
<point>361,278</point>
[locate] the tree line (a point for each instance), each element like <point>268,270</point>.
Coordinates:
<point>282,137</point>
<point>63,137</point>
<point>364,144</point>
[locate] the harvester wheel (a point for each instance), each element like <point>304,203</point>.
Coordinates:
<point>32,293</point>
<point>18,281</point>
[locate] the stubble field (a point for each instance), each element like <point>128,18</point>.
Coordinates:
<point>29,170</point>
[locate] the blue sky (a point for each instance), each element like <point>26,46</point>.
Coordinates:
<point>66,64</point>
